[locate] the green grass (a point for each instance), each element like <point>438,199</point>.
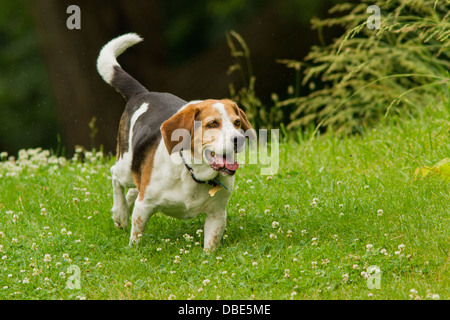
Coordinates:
<point>316,251</point>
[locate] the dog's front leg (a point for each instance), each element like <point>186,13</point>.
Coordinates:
<point>142,212</point>
<point>215,224</point>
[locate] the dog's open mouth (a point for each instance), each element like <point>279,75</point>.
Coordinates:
<point>222,163</point>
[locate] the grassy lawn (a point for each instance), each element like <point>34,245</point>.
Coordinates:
<point>311,231</point>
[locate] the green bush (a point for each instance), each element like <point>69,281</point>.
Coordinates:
<point>365,73</point>
<point>27,116</point>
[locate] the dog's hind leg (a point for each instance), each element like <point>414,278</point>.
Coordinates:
<point>120,209</point>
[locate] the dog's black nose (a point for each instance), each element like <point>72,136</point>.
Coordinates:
<point>238,141</point>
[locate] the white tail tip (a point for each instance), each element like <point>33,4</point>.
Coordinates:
<point>107,57</point>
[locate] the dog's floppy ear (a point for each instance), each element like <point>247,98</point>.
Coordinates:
<point>249,132</point>
<point>179,127</point>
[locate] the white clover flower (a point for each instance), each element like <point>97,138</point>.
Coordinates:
<point>275,224</point>
<point>47,258</point>
<point>369,247</point>
<point>254,263</point>
<point>365,274</point>
<point>272,236</point>
<point>206,282</point>
<point>401,246</point>
<point>267,211</point>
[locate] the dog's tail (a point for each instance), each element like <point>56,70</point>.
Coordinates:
<point>110,70</point>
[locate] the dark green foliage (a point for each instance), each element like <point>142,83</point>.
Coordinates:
<point>365,74</point>
<point>26,111</point>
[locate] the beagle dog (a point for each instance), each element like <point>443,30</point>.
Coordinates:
<point>174,156</point>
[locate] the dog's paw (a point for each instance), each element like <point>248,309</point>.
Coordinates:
<point>135,240</point>
<point>120,224</point>
<point>120,217</point>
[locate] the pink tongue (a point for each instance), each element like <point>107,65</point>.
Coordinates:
<point>222,162</point>
<point>232,166</point>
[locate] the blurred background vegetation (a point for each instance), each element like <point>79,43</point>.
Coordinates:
<point>291,64</point>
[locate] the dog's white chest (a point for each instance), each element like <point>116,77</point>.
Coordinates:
<point>185,199</point>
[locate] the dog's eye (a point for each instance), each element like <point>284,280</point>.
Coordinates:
<point>212,124</point>
<point>237,123</point>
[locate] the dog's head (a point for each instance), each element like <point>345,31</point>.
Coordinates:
<point>213,130</point>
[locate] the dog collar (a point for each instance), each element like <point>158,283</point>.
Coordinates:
<point>213,182</point>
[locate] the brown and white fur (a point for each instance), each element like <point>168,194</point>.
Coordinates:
<point>148,162</point>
